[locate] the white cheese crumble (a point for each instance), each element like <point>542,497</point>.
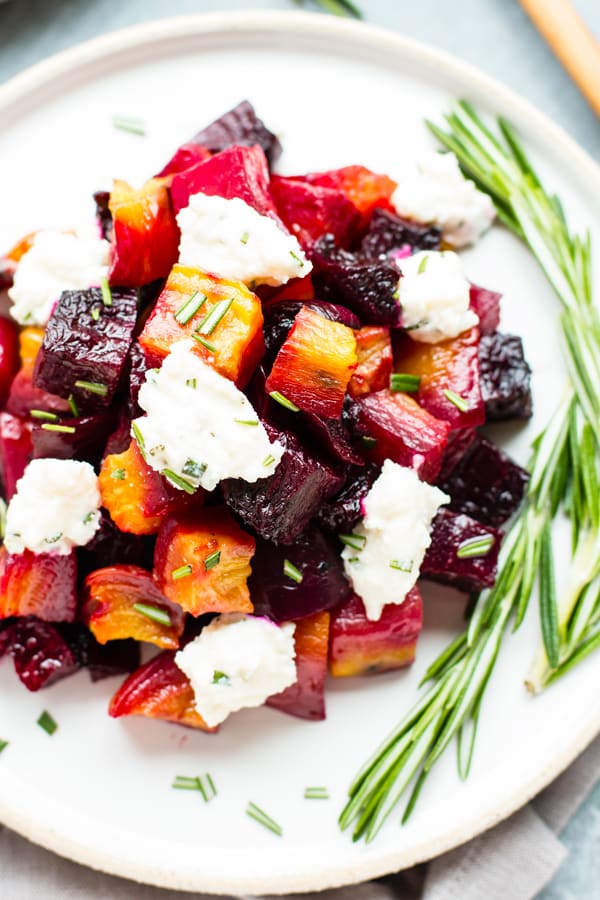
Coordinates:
<point>434,296</point>
<point>199,426</point>
<point>231,239</point>
<point>238,661</point>
<point>57,261</point>
<point>391,540</point>
<point>54,509</point>
<point>437,193</point>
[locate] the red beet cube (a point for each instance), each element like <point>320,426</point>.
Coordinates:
<point>310,211</point>
<point>82,355</point>
<point>15,451</point>
<point>365,189</point>
<point>403,432</point>
<point>487,306</point>
<point>41,655</point>
<point>358,646</point>
<point>306,697</point>
<point>41,585</point>
<point>9,355</point>
<point>449,558</point>
<point>236,172</point>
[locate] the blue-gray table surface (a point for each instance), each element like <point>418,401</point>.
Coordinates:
<point>492,34</point>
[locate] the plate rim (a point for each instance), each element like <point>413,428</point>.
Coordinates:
<point>44,75</point>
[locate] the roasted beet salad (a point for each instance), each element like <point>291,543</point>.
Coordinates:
<point>241,422</point>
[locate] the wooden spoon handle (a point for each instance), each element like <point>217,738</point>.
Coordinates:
<point>573,44</point>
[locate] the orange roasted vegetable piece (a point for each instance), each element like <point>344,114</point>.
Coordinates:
<point>314,364</point>
<point>137,497</point>
<point>123,601</point>
<point>202,562</point>
<point>306,697</point>
<point>158,690</point>
<point>232,342</point>
<point>362,187</point>
<point>38,584</point>
<point>145,237</point>
<point>375,360</point>
<point>358,646</point>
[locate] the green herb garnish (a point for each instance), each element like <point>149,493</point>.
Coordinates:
<point>3,745</point>
<point>260,816</point>
<point>155,613</point>
<point>46,722</point>
<point>268,460</point>
<point>118,474</point>
<point>42,414</point>
<point>181,572</point>
<point>194,469</point>
<point>201,783</point>
<point>178,481</point>
<point>107,298</point>
<point>205,343</point>
<point>401,565</point>
<point>220,678</point>
<point>316,793</point>
<point>480,545</point>
<point>245,237</point>
<point>356,541</point>
<point>208,325</point>
<point>95,313</point>
<point>283,401</point>
<point>60,429</point>
<point>189,308</point>
<point>291,571</point>
<point>422,265</point>
<point>212,560</point>
<point>93,387</point>
<point>73,406</point>
<point>246,421</point>
<point>459,402</point>
<point>132,124</point>
<point>409,384</point>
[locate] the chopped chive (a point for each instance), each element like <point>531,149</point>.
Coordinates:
<point>268,460</point>
<point>246,421</point>
<point>205,343</point>
<point>201,783</point>
<point>189,308</point>
<point>221,678</point>
<point>292,572</point>
<point>480,545</point>
<point>132,124</point>
<point>153,612</point>
<point>316,793</point>
<point>93,387</point>
<point>283,401</point>
<point>42,414</point>
<point>3,745</point>
<point>208,325</point>
<point>191,383</point>
<point>181,572</point>
<point>408,383</point>
<point>212,560</point>
<point>353,559</point>
<point>356,541</point>
<point>401,565</point>
<point>106,293</point>
<point>90,516</point>
<point>46,722</point>
<point>118,474</point>
<point>96,313</point>
<point>368,441</point>
<point>245,237</point>
<point>260,816</point>
<point>61,429</point>
<point>420,324</point>
<point>54,539</point>
<point>73,406</point>
<point>422,265</point>
<point>458,401</point>
<point>138,436</point>
<point>297,259</point>
<point>193,469</point>
<point>178,481</point>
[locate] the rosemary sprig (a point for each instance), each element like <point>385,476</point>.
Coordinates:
<point>564,475</point>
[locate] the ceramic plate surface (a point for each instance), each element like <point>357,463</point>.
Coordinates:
<point>98,791</point>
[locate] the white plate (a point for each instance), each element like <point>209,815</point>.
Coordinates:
<point>98,791</point>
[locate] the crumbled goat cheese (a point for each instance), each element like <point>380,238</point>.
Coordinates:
<point>197,424</point>
<point>231,239</point>
<point>437,193</point>
<point>54,509</point>
<point>434,296</point>
<point>238,661</point>
<point>391,540</point>
<point>57,261</point>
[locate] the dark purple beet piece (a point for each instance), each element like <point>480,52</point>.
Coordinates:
<point>110,546</point>
<point>505,377</point>
<point>282,599</point>
<point>103,214</point>
<point>449,532</point>
<point>119,440</point>
<point>332,436</point>
<point>240,126</point>
<point>486,484</point>
<point>87,442</point>
<point>341,512</point>
<point>137,367</point>
<point>6,633</point>
<point>40,653</point>
<point>79,347</point>
<point>487,306</point>
<point>279,318</point>
<point>459,442</point>
<point>280,507</point>
<point>101,660</point>
<point>365,286</point>
<point>388,232</point>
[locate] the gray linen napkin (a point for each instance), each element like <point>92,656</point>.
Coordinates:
<point>513,861</point>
